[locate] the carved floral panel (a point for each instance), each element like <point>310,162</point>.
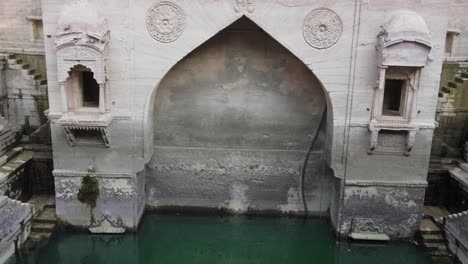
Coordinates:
<point>322,28</point>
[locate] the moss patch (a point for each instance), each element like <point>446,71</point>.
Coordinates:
<point>89,191</point>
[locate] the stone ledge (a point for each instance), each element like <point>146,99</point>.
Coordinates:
<point>73,173</point>
<point>410,184</point>
<point>460,176</point>
<point>77,119</point>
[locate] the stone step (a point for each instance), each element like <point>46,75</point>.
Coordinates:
<point>460,80</point>
<point>45,221</point>
<point>25,66</point>
<point>435,246</point>
<point>14,61</point>
<point>42,81</point>
<point>36,76</point>
<point>13,153</point>
<point>49,206</point>
<point>39,236</point>
<point>464,74</point>
<point>445,89</point>
<point>433,238</point>
<point>452,85</point>
<point>429,227</point>
<point>43,227</point>
<point>15,66</point>
<point>11,56</point>
<point>47,216</point>
<point>439,253</point>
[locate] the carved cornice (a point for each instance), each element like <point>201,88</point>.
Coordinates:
<point>80,120</point>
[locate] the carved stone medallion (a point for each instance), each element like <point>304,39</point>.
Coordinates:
<point>322,28</point>
<point>165,21</point>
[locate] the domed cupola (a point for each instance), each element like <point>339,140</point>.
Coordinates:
<point>404,40</point>
<point>80,23</point>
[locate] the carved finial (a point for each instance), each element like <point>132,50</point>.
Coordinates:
<point>245,5</point>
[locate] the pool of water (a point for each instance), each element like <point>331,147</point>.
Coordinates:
<point>209,239</point>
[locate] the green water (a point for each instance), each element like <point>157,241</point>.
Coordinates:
<point>211,239</point>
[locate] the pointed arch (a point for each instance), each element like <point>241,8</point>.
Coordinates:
<point>150,97</point>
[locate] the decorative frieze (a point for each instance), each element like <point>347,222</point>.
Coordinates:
<point>106,224</point>
<point>67,189</point>
<point>322,28</point>
<point>367,225</point>
<point>165,21</point>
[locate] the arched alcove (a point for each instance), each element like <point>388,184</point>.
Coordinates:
<point>233,122</point>
<point>82,88</point>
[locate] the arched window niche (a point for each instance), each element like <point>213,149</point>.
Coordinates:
<point>85,90</point>
<point>81,42</point>
<point>403,47</point>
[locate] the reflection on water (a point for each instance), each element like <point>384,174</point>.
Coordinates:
<point>209,239</point>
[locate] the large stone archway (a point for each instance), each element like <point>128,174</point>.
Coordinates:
<point>233,122</point>
<point>386,187</point>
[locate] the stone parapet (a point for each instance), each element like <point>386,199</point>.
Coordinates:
<point>456,230</point>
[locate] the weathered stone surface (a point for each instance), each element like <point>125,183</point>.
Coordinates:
<point>14,225</point>
<point>346,71</point>
<point>456,230</point>
<point>395,209</point>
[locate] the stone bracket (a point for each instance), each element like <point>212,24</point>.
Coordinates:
<point>375,133</point>
<point>73,140</point>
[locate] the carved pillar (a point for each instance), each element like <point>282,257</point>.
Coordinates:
<point>63,91</point>
<point>108,100</point>
<point>102,105</point>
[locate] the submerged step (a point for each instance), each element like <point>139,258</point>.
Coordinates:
<point>435,245</point>
<point>369,236</point>
<point>43,227</point>
<point>433,238</point>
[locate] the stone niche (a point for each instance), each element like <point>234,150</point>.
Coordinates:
<point>403,48</point>
<point>81,41</point>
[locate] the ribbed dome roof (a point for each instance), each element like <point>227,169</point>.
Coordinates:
<point>406,20</point>
<point>406,25</point>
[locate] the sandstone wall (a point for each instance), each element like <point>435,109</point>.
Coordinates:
<point>344,63</point>
<point>19,22</point>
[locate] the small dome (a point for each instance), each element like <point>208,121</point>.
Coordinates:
<point>407,25</point>
<point>81,16</point>
<point>406,20</point>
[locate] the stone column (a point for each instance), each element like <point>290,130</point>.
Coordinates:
<point>64,97</point>
<point>102,104</point>
<point>108,100</point>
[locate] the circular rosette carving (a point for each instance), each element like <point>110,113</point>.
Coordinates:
<point>322,28</point>
<point>165,21</point>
